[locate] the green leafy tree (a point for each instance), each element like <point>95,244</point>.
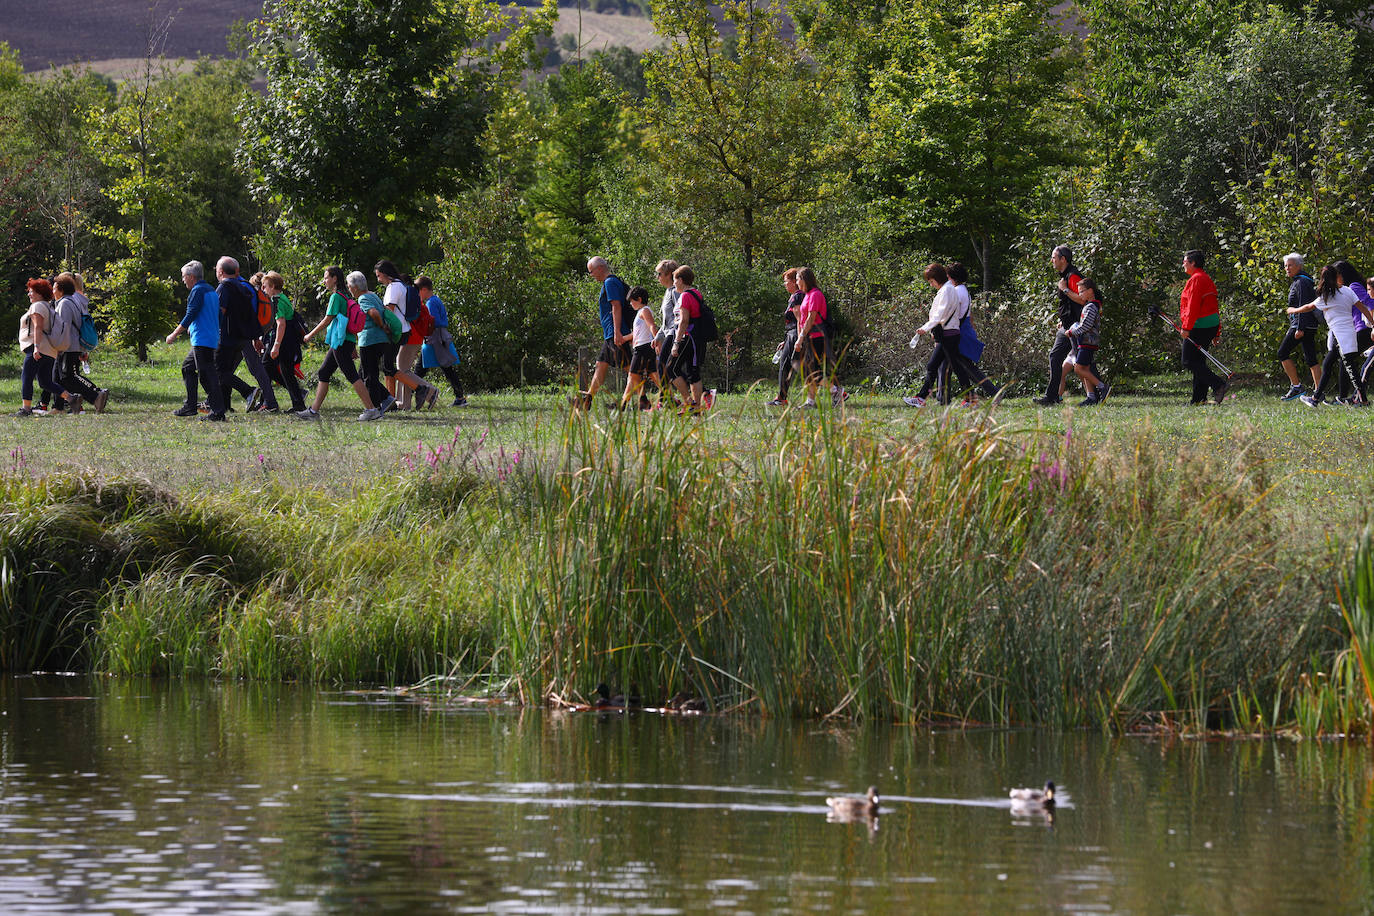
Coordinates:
<point>969,114</point>
<point>510,317</point>
<point>372,109</point>
<point>583,131</point>
<point>741,122</point>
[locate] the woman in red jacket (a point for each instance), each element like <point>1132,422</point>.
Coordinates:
<point>1200,324</point>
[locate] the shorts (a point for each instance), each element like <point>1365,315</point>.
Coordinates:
<point>613,354</point>
<point>1308,344</point>
<point>644,361</point>
<point>688,364</point>
<point>1085,357</point>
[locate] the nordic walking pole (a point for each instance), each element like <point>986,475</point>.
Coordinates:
<point>1155,310</point>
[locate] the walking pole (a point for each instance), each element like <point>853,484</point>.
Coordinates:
<point>1155,310</point>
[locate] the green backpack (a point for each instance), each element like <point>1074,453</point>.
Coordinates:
<point>391,323</point>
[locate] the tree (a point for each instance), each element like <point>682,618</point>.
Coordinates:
<point>581,133</point>
<point>372,109</point>
<point>741,122</point>
<point>968,114</point>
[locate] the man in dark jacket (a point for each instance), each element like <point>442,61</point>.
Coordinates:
<point>238,309</point>
<point>1303,328</point>
<point>1070,308</point>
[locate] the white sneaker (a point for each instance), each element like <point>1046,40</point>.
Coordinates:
<point>372,413</point>
<point>809,405</point>
<point>309,413</point>
<point>914,402</point>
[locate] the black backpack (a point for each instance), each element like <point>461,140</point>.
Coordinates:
<point>704,328</point>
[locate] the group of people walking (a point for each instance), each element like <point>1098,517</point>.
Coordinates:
<point>56,334</point>
<point>255,323</point>
<point>386,340</point>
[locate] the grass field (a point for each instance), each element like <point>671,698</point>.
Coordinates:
<point>1319,462</point>
<point>1135,563</point>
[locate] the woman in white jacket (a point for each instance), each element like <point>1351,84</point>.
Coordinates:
<point>947,311</point>
<point>1337,302</point>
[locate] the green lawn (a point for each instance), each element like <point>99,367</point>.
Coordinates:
<point>1318,460</point>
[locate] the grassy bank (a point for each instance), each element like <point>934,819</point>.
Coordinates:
<point>1003,568</point>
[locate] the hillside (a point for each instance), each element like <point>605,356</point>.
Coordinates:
<point>108,33</point>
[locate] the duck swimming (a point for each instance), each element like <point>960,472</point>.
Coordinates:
<point>845,808</point>
<point>1033,798</point>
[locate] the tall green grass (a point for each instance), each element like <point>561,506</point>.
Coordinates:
<point>942,567</point>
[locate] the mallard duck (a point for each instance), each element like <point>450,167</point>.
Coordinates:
<point>681,702</point>
<point>852,808</point>
<point>1033,798</point>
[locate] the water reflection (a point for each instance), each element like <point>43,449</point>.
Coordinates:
<point>203,798</point>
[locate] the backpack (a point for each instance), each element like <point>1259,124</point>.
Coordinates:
<point>413,304</point>
<point>90,337</point>
<point>391,323</point>
<point>422,324</point>
<point>704,328</point>
<point>266,314</point>
<point>243,322</point>
<point>357,319</point>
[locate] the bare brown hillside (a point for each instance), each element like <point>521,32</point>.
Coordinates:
<point>58,32</point>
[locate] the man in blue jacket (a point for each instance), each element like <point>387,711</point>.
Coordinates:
<point>238,306</point>
<point>202,320</point>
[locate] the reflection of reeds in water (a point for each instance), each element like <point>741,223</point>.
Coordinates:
<point>945,568</point>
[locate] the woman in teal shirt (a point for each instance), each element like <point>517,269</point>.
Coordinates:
<point>342,346</point>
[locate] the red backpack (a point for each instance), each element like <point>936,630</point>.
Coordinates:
<point>424,323</point>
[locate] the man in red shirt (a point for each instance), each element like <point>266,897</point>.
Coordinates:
<point>1199,325</point>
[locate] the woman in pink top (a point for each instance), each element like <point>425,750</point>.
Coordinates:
<point>811,333</point>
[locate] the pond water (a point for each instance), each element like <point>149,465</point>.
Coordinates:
<point>144,796</point>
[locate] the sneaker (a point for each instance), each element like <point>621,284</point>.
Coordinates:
<point>1294,392</point>
<point>708,399</point>
<point>430,399</point>
<point>1105,389</point>
<point>777,402</point>
<point>839,396</point>
<point>24,412</point>
<point>459,402</point>
<point>213,418</point>
<point>101,399</point>
<point>254,399</point>
<point>309,413</point>
<point>914,401</point>
<point>184,410</point>
<point>1091,401</point>
<point>386,405</point>
<point>1309,400</point>
<point>266,408</point>
<point>372,413</point>
<point>809,405</point>
<point>1046,402</point>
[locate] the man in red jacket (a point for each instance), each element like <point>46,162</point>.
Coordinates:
<point>1200,324</point>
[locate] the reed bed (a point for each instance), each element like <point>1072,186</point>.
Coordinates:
<point>937,568</point>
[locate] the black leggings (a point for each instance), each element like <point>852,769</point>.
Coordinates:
<point>947,353</point>
<point>1352,368</point>
<point>1363,339</point>
<point>371,358</point>
<point>787,368</point>
<point>283,369</point>
<point>340,358</point>
<point>1059,352</point>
